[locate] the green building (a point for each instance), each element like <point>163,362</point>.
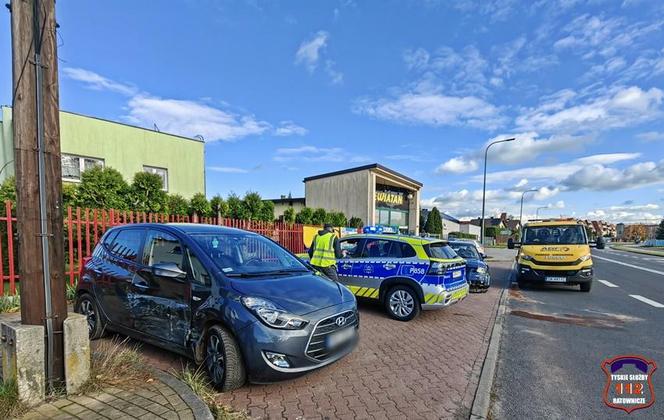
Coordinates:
<point>88,141</point>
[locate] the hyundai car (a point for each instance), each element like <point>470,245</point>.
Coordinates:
<point>236,302</point>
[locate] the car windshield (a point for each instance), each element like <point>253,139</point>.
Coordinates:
<point>439,250</point>
<point>247,255</point>
<point>467,251</point>
<point>554,235</point>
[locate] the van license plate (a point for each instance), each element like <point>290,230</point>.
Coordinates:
<point>556,279</point>
<point>339,338</point>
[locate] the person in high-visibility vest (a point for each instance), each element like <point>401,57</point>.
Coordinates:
<point>325,251</point>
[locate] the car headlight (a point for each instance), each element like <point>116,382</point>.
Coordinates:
<point>585,257</point>
<point>526,257</point>
<point>271,315</point>
<point>481,270</point>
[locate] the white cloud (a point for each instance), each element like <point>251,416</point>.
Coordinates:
<point>227,170</point>
<point>638,213</point>
<point>433,109</point>
<point>598,177</point>
<point>336,77</point>
<point>289,128</point>
<point>309,52</point>
<point>559,171</point>
<point>95,81</point>
<point>621,107</point>
<point>457,165</point>
<point>189,118</point>
<point>651,136</point>
<point>522,183</point>
<point>183,117</point>
<point>317,154</point>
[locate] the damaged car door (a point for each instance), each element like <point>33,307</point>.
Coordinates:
<point>161,291</point>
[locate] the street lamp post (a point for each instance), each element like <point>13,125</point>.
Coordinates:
<point>486,154</point>
<point>521,212</point>
<point>538,209</point>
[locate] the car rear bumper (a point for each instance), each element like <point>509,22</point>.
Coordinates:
<point>441,298</point>
<point>529,274</point>
<point>258,338</point>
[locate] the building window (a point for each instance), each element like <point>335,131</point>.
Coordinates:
<point>73,166</point>
<point>162,172</point>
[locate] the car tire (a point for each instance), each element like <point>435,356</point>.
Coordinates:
<point>86,305</point>
<point>585,287</point>
<point>401,303</point>
<point>223,359</point>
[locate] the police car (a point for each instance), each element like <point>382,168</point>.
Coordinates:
<point>405,273</point>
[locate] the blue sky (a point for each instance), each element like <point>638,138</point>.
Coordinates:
<point>285,90</point>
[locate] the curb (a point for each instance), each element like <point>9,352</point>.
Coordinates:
<point>198,407</point>
<point>638,251</point>
<point>482,400</point>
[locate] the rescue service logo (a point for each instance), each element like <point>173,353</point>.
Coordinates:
<point>629,384</point>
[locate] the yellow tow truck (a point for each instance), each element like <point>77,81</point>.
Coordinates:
<point>555,251</point>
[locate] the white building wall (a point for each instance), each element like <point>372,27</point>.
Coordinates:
<point>470,229</point>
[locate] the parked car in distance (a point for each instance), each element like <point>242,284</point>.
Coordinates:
<point>405,273</point>
<point>478,246</point>
<point>477,271</point>
<point>236,302</point>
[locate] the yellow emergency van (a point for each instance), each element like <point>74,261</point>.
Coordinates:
<point>555,251</point>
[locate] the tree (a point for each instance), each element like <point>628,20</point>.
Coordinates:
<point>491,231</point>
<point>178,205</point>
<point>337,218</point>
<point>147,193</point>
<point>103,188</point>
<point>660,230</point>
<point>289,215</point>
<point>253,204</point>
<point>219,206</point>
<point>434,224</point>
<point>267,212</point>
<point>355,222</point>
<point>199,205</point>
<point>304,216</point>
<point>8,191</point>
<point>236,207</point>
<point>318,217</point>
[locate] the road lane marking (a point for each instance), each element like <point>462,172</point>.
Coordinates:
<point>607,283</point>
<point>648,301</point>
<point>630,265</point>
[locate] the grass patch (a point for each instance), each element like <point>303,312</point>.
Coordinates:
<point>198,381</point>
<point>116,362</point>
<point>10,406</point>
<point>10,303</point>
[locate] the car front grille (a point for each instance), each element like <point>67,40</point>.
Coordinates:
<point>556,263</point>
<point>317,348</point>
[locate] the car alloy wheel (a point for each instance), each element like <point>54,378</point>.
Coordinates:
<point>88,309</point>
<point>215,360</point>
<point>402,303</point>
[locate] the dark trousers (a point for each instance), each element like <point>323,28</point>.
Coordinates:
<point>330,272</point>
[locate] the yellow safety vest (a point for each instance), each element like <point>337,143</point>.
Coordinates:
<point>323,250</point>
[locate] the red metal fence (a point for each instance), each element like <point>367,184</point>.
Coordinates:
<point>83,227</point>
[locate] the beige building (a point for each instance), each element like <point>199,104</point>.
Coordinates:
<point>374,193</point>
<point>286,201</point>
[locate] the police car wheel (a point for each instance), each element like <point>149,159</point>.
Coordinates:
<point>402,303</point>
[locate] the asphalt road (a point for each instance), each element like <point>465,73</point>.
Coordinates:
<point>555,339</point>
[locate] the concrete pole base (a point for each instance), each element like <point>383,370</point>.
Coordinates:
<point>77,352</point>
<point>23,360</point>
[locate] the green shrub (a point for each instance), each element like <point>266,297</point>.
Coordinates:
<point>355,222</point>
<point>218,206</point>
<point>434,224</point>
<point>147,193</point>
<point>236,207</point>
<point>267,212</point>
<point>199,205</point>
<point>318,217</point>
<point>289,215</point>
<point>304,216</point>
<point>103,188</point>
<point>178,205</point>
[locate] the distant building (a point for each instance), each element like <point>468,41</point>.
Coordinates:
<point>468,228</point>
<point>284,202</point>
<point>450,224</point>
<point>86,142</point>
<point>620,231</point>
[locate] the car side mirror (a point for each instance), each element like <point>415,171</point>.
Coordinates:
<point>170,270</point>
<point>511,244</point>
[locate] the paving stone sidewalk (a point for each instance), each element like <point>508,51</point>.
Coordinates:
<point>164,398</point>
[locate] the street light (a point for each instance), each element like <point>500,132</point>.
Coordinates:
<point>521,212</point>
<point>538,209</point>
<point>486,152</point>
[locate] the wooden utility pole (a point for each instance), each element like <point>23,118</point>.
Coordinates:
<point>36,128</point>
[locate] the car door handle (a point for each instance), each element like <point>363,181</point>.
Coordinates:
<point>389,266</point>
<point>195,298</point>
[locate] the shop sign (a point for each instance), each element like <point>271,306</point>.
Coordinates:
<point>390,198</point>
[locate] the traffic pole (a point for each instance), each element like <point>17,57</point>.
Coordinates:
<point>36,131</point>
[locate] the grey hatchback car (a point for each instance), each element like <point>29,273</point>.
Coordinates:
<point>234,301</point>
